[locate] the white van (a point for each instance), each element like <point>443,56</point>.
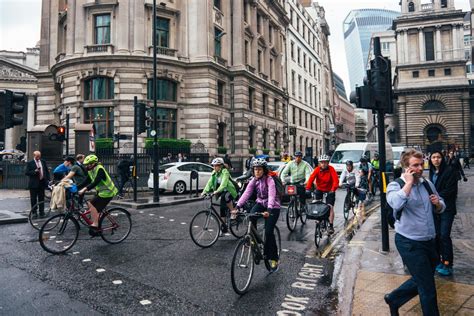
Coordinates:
<point>355,151</point>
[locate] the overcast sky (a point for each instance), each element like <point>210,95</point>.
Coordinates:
<point>20,24</point>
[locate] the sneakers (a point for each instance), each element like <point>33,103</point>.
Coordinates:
<point>94,231</point>
<point>331,229</point>
<point>224,229</point>
<point>444,270</point>
<point>274,265</point>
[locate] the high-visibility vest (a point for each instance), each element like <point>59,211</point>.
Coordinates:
<point>105,189</point>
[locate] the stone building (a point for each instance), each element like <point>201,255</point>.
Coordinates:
<point>344,114</point>
<point>433,107</point>
<point>220,78</point>
<point>18,74</point>
<point>305,73</point>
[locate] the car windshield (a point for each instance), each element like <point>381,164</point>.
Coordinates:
<point>164,167</point>
<point>396,155</point>
<point>273,167</point>
<point>341,156</point>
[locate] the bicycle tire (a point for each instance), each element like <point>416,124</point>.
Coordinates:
<point>208,226</point>
<point>242,261</point>
<point>127,191</point>
<point>303,217</point>
<point>276,231</point>
<point>38,222</point>
<point>317,235</point>
<point>67,229</point>
<point>347,205</point>
<point>115,221</point>
<point>291,216</point>
<point>238,227</point>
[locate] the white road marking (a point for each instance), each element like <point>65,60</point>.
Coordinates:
<point>100,270</point>
<point>76,253</point>
<point>183,223</point>
<point>285,250</point>
<point>117,282</point>
<point>171,220</point>
<point>151,214</point>
<point>86,260</point>
<point>145,302</point>
<point>162,217</point>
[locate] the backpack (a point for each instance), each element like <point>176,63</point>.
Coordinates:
<point>391,219</point>
<point>280,188</point>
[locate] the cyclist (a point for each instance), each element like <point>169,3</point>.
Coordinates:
<point>78,172</point>
<point>105,187</point>
<point>220,185</point>
<point>368,168</point>
<point>376,167</point>
<point>267,200</point>
<point>325,179</point>
<point>348,175</point>
<point>63,169</point>
<point>299,171</point>
<point>124,173</point>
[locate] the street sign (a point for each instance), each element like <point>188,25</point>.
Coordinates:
<point>153,133</point>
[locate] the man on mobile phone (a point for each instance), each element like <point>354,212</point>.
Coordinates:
<point>417,200</point>
<point>38,174</point>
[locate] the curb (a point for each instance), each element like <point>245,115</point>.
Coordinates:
<point>13,218</point>
<point>145,204</point>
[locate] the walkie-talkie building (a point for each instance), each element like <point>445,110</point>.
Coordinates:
<point>358,28</point>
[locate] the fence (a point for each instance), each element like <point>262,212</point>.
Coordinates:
<point>12,175</point>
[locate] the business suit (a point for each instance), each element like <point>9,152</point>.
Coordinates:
<point>36,184</point>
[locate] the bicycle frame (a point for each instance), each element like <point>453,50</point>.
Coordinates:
<point>214,211</point>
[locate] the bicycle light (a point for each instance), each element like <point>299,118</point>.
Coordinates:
<point>290,190</point>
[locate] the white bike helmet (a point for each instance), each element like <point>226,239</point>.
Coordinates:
<point>217,161</point>
<point>259,162</point>
<point>323,158</point>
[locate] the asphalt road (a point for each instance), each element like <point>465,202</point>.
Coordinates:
<point>158,270</point>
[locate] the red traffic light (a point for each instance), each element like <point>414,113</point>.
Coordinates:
<point>61,130</point>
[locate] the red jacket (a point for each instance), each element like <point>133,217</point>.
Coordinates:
<point>326,180</point>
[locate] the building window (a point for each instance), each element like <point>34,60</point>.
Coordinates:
<point>299,56</point>
<point>217,4</point>
<point>306,120</point>
<point>166,90</point>
<point>251,136</point>
<point>293,83</point>
<point>162,32</point>
<point>431,72</point>
<point>310,94</point>
<point>415,74</point>
<point>277,140</point>
<point>311,126</point>
<point>220,93</point>
<point>275,108</point>
<point>247,52</point>
<point>301,118</point>
<point>270,33</point>
<point>429,46</point>
<point>103,120</point>
<point>301,143</point>
<point>166,119</point>
<point>246,11</point>
<point>411,7</point>
<point>217,42</point>
<point>305,91</point>
<point>220,134</point>
<point>291,16</point>
<point>102,29</point>
<point>98,88</point>
<point>271,68</point>
<point>309,66</point>
<point>300,94</point>
<point>251,98</point>
<point>304,61</point>
<point>294,115</point>
<point>444,3</point>
<point>264,103</point>
<point>259,61</point>
<point>259,23</point>
<point>447,71</point>
<point>297,24</point>
<point>292,50</point>
<point>433,105</point>
<point>265,138</point>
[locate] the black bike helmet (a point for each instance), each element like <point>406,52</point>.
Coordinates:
<point>349,163</point>
<point>364,159</point>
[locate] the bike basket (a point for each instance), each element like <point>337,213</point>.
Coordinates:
<point>291,190</point>
<point>317,210</point>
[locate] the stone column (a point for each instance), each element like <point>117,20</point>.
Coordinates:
<point>139,28</point>
<point>438,47</point>
<point>79,27</point>
<point>405,46</point>
<point>122,28</point>
<point>71,16</point>
<point>30,121</point>
<point>399,47</point>
<point>421,44</point>
<point>456,46</point>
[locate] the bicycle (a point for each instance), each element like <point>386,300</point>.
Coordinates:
<point>350,200</point>
<point>295,209</point>
<point>248,253</point>
<point>319,211</point>
<point>206,225</point>
<point>60,232</point>
<point>127,190</point>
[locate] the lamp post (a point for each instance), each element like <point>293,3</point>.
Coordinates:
<point>156,163</point>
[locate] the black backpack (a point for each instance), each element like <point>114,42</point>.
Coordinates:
<point>391,219</point>
<point>280,188</point>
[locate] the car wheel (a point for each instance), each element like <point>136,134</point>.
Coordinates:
<point>179,187</point>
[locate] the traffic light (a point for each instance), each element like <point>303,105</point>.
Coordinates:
<point>11,103</point>
<point>363,96</point>
<point>143,118</point>
<point>61,134</point>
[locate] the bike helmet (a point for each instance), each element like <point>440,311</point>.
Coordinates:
<point>90,159</point>
<point>259,162</point>
<point>298,154</point>
<point>376,155</point>
<point>323,157</point>
<point>349,163</point>
<point>217,161</point>
<point>364,159</point>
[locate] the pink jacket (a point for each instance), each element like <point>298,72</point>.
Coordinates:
<point>266,192</point>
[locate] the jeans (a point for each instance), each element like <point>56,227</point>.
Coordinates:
<point>300,189</point>
<point>421,259</point>
<point>270,248</point>
<point>444,244</point>
<point>123,179</point>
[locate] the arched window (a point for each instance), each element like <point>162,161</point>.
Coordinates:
<point>433,105</point>
<point>166,90</point>
<point>98,88</point>
<point>411,7</point>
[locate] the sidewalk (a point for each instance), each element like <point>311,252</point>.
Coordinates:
<point>368,274</point>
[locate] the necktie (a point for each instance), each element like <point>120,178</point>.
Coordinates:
<point>38,164</point>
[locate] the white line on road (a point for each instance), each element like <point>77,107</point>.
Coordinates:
<point>117,282</point>
<point>100,270</point>
<point>145,302</point>
<point>86,260</point>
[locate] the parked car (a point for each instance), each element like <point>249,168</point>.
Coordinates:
<point>175,176</point>
<point>11,154</point>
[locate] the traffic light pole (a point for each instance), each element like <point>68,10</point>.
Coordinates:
<point>156,163</point>
<point>135,147</point>
<point>67,134</point>
<point>381,139</point>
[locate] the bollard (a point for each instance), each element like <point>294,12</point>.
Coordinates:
<point>193,176</point>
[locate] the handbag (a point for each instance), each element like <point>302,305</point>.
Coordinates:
<point>317,210</point>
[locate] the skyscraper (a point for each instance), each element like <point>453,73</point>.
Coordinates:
<point>358,27</point>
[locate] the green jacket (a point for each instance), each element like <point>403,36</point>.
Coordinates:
<point>298,172</point>
<point>106,188</point>
<point>222,177</point>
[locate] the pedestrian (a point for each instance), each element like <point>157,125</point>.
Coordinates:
<point>454,163</point>
<point>124,173</point>
<point>185,158</point>
<point>37,171</point>
<point>248,163</point>
<point>413,204</point>
<point>228,162</point>
<point>466,161</point>
<point>78,172</point>
<point>446,183</point>
<point>63,169</point>
<point>180,157</point>
<point>286,157</point>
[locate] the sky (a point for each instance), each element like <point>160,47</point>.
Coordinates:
<point>19,31</point>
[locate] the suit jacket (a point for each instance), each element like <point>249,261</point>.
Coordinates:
<point>447,187</point>
<point>35,182</point>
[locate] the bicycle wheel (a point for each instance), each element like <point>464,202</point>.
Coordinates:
<point>276,232</point>
<point>291,216</point>
<point>242,268</point>
<point>37,221</point>
<point>127,191</point>
<point>59,233</point>
<point>347,205</point>
<point>115,225</point>
<point>239,226</point>
<point>303,214</point>
<point>204,228</point>
<point>318,235</point>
